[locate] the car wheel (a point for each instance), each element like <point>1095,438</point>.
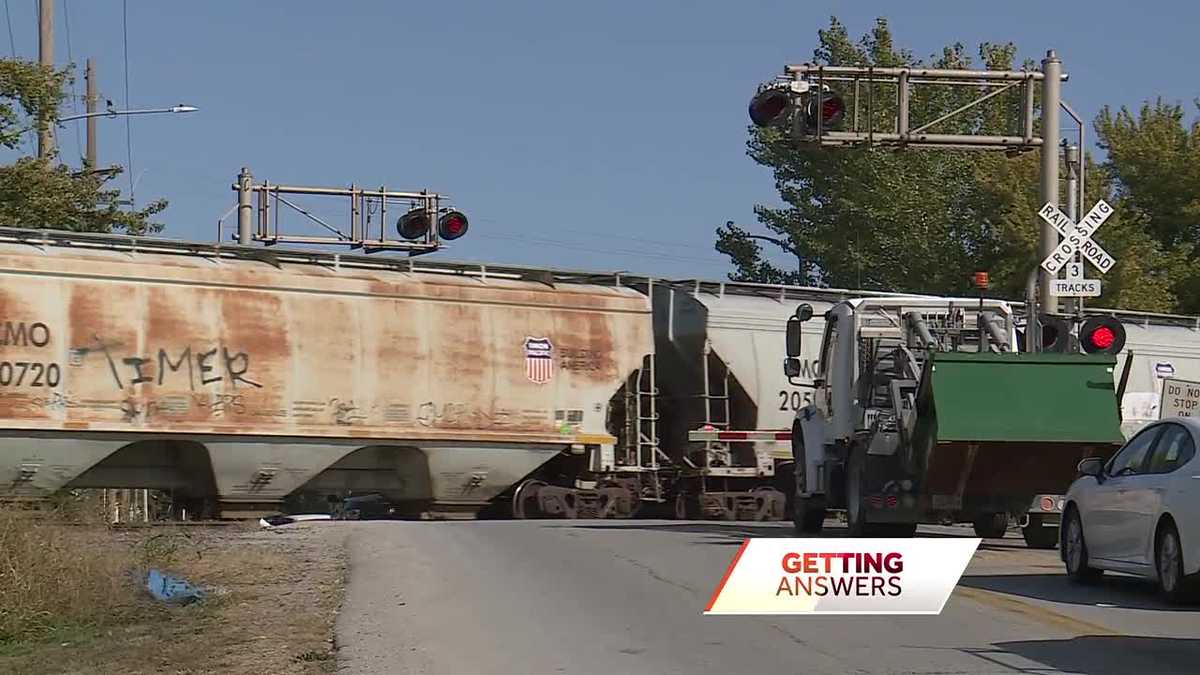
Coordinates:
<point>1074,548</point>
<point>1168,561</point>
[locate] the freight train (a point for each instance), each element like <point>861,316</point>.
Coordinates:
<point>235,377</point>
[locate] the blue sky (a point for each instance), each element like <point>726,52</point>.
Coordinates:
<point>582,135</point>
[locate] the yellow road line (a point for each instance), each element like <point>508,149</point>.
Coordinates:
<point>1044,615</point>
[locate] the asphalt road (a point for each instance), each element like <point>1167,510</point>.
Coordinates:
<point>617,597</point>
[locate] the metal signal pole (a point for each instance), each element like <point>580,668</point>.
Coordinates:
<point>1071,157</point>
<point>1051,100</point>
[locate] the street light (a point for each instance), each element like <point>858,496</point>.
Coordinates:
<point>114,113</point>
<point>90,160</point>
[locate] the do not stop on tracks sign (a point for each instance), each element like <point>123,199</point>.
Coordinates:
<point>1180,398</point>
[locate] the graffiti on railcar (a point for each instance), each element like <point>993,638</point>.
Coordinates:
<point>343,412</point>
<point>429,414</point>
<point>201,367</point>
<point>218,405</point>
<point>458,415</point>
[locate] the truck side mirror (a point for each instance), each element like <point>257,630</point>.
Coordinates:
<point>791,367</point>
<point>804,312</point>
<point>793,337</point>
<point>1092,466</point>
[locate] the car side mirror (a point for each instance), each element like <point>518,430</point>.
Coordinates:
<point>791,367</point>
<point>804,312</point>
<point>1092,466</point>
<point>793,337</point>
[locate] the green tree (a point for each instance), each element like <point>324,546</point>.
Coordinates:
<point>1154,164</point>
<point>41,192</point>
<point>923,220</point>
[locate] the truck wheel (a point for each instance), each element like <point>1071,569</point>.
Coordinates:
<point>1038,535</point>
<point>808,515</point>
<point>1074,549</point>
<point>856,510</point>
<point>856,476</point>
<point>991,525</point>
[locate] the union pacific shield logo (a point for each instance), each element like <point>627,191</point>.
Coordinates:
<point>539,360</point>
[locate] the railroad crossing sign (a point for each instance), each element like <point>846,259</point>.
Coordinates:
<point>1077,237</point>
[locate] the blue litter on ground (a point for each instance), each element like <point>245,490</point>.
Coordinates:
<point>172,589</point>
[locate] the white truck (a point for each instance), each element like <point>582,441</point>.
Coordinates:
<point>926,413</point>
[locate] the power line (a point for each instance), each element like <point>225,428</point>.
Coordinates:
<point>607,236</point>
<point>579,246</point>
<point>74,82</point>
<point>12,46</point>
<point>12,43</point>
<point>128,124</point>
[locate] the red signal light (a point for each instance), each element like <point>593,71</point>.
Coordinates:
<point>769,106</point>
<point>452,225</point>
<point>831,108</point>
<point>1103,337</point>
<point>1102,334</point>
<point>414,224</point>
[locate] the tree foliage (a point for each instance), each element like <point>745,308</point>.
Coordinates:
<point>925,220</point>
<point>1154,162</point>
<point>41,192</point>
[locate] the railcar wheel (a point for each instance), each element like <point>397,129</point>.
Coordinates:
<point>525,500</point>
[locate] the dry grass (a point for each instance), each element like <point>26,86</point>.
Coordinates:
<point>72,598</point>
<point>56,572</point>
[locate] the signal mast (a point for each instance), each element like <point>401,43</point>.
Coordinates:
<point>808,102</point>
<point>426,223</point>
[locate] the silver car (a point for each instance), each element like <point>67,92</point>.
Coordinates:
<point>1139,513</point>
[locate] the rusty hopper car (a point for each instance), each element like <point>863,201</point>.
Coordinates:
<point>236,376</point>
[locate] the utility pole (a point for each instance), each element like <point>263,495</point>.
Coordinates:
<point>45,58</point>
<point>1051,100</point>
<point>92,104</point>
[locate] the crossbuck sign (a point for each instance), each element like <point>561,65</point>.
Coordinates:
<point>1077,237</point>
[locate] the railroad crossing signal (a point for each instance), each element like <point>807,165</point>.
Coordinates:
<point>1077,238</point>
